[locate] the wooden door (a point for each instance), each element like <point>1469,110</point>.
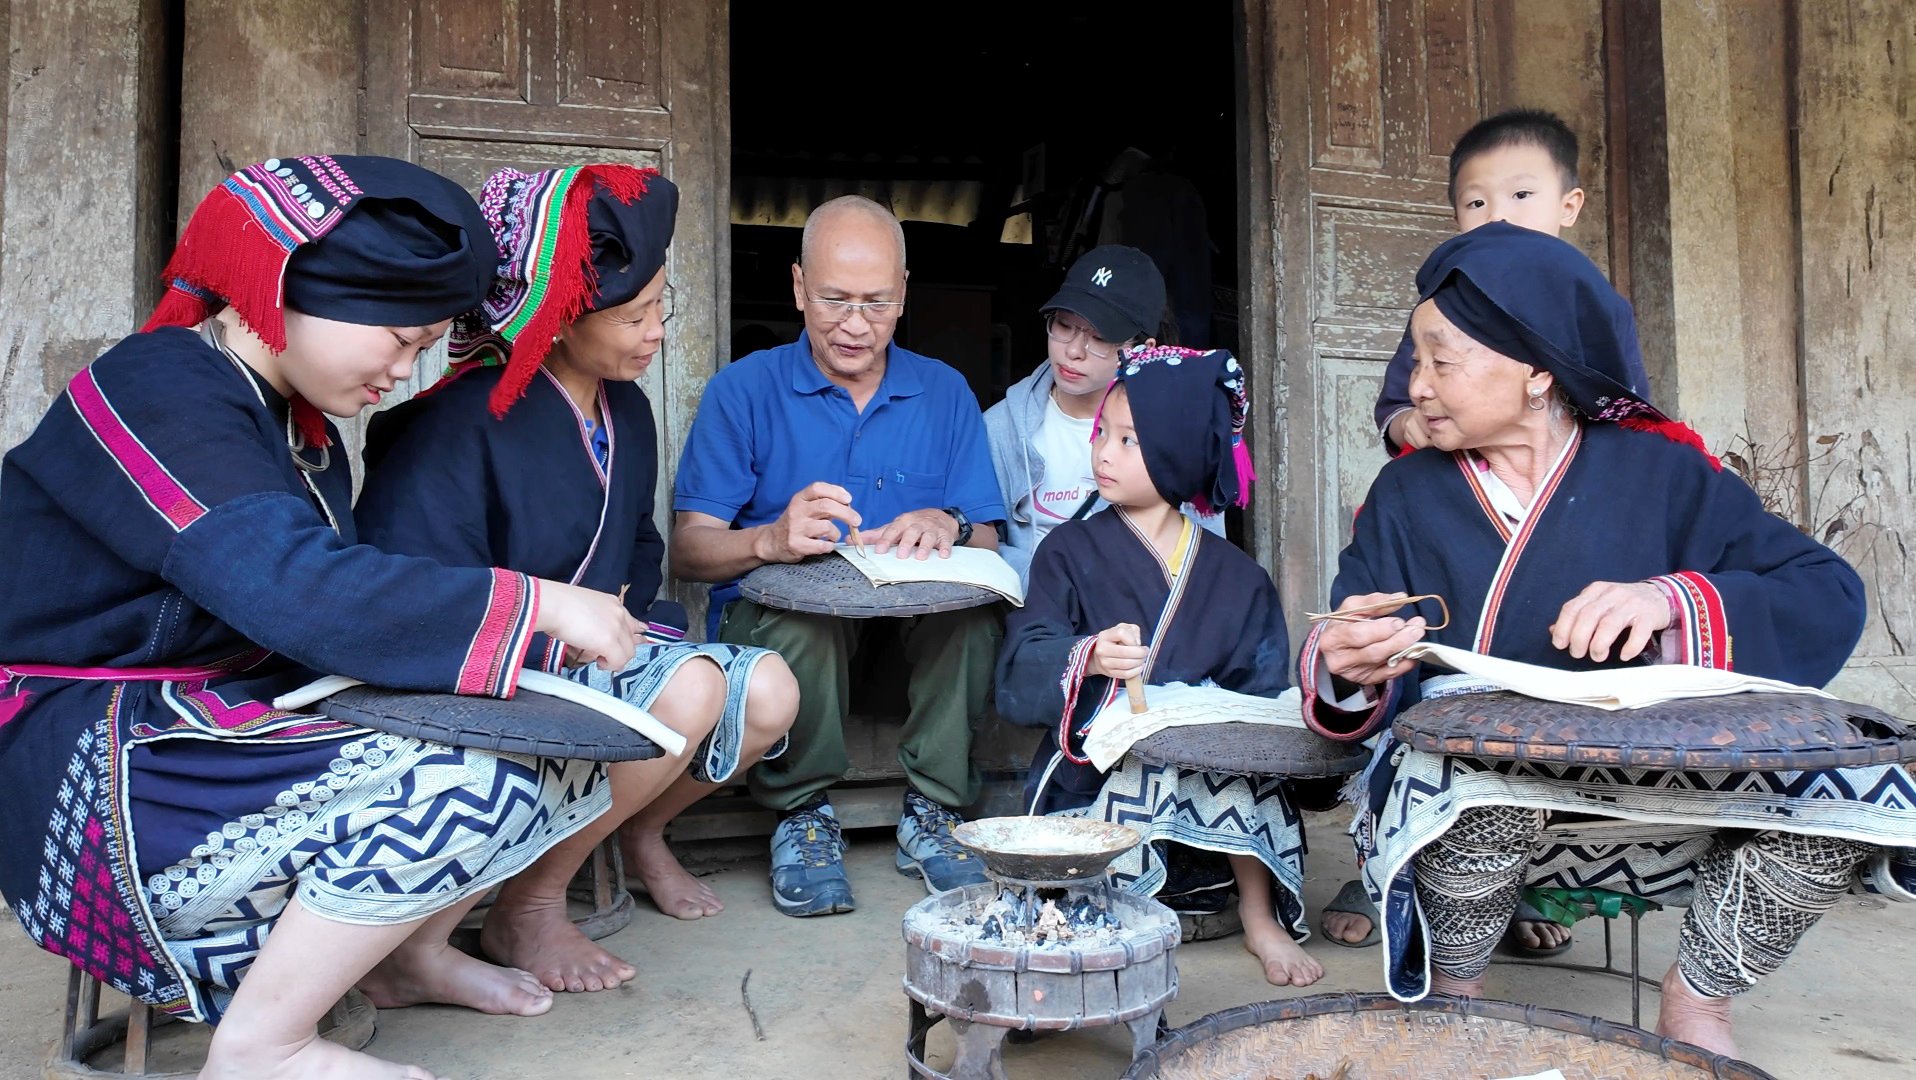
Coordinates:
<point>466,87</point>
<point>1352,108</point>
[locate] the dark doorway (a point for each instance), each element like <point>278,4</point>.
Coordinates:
<point>1009,137</point>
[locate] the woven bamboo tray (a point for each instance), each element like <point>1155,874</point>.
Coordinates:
<point>1740,731</point>
<point>523,724</point>
<point>1379,1038</point>
<point>828,585</point>
<point>1251,750</point>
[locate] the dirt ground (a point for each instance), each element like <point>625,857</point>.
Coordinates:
<point>827,992</point>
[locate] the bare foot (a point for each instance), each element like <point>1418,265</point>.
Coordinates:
<point>443,975</point>
<point>1539,935</point>
<point>1443,984</point>
<point>540,938</point>
<point>1690,1017</point>
<point>1285,962</point>
<point>672,888</point>
<point>1345,926</point>
<point>315,1059</point>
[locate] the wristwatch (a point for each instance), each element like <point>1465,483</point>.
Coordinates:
<point>964,525</point>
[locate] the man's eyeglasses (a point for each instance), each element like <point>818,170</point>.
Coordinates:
<point>1065,335</point>
<point>875,311</point>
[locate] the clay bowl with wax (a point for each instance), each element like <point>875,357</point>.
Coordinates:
<point>1046,848</point>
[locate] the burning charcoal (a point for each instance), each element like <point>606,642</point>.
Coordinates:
<point>994,929</point>
<point>1084,913</point>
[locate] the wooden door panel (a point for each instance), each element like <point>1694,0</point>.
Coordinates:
<point>468,86</point>
<point>1385,88</point>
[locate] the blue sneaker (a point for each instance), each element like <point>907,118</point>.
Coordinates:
<point>808,862</point>
<point>926,847</point>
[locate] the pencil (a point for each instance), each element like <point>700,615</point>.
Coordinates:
<point>856,542</point>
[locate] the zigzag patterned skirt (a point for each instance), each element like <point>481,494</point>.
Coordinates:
<point>1231,815</point>
<point>368,829</point>
<point>1655,826</point>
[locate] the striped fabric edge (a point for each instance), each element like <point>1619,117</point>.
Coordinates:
<point>499,646</point>
<point>157,486</point>
<point>1307,664</point>
<point>1702,629</point>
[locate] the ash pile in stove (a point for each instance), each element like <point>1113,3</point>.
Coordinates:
<point>1041,917</point>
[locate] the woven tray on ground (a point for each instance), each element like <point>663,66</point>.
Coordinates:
<point>527,724</point>
<point>828,585</point>
<point>1381,1039</point>
<point>1740,731</point>
<point>1251,750</point>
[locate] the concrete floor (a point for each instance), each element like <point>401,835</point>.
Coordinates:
<point>827,993</point>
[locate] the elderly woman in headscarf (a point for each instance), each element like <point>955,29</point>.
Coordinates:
<point>182,550</point>
<point>539,452</point>
<point>1571,525</point>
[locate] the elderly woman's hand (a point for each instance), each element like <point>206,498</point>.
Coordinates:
<point>1360,650</point>
<point>1591,624</point>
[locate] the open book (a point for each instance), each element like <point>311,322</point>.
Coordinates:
<point>1606,688</point>
<point>980,567</point>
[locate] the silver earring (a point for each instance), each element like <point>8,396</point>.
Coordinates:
<point>1536,402</point>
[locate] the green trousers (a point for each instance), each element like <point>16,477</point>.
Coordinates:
<point>951,655</point>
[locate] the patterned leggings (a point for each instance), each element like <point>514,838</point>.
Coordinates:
<point>1756,895</point>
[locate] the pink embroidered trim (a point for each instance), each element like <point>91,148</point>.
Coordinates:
<point>1702,626</point>
<point>157,486</point>
<point>1071,682</point>
<point>1307,660</point>
<point>499,646</point>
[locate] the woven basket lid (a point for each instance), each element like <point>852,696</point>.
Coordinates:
<point>828,585</point>
<point>1739,731</point>
<point>1373,1037</point>
<point>1251,750</point>
<point>525,724</point>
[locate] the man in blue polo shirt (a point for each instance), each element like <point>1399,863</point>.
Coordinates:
<point>792,446</point>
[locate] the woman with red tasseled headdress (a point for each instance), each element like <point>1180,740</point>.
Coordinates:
<point>539,452</point>
<point>1569,524</point>
<point>182,551</point>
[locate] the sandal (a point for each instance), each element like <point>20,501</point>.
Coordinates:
<point>1526,912</point>
<point>1352,899</point>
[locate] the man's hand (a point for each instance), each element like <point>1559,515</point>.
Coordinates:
<point>809,525</point>
<point>1118,653</point>
<point>1359,651</point>
<point>1591,624</point>
<point>917,534</point>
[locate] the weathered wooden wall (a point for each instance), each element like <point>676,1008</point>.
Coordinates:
<point>1856,201</point>
<point>82,235</point>
<point>265,80</point>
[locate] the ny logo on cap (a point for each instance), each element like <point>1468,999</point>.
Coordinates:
<point>1102,277</point>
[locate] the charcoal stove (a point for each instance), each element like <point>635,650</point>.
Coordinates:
<point>1048,945</point>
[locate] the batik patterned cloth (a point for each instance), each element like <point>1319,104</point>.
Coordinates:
<point>641,681</point>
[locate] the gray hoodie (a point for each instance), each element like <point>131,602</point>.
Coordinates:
<point>1011,428</point>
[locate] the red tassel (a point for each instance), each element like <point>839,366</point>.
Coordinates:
<point>568,291</point>
<point>310,423</point>
<point>1677,432</point>
<point>1246,472</point>
<point>225,252</point>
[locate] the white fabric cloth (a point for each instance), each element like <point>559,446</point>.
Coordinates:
<point>1116,728</point>
<point>1605,688</point>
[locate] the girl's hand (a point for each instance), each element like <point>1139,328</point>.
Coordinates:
<point>594,625</point>
<point>1359,650</point>
<point>1118,653</point>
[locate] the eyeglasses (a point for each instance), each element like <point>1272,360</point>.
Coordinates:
<point>875,311</point>
<point>665,304</point>
<point>1065,335</point>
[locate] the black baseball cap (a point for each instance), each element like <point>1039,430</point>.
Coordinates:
<point>1117,289</point>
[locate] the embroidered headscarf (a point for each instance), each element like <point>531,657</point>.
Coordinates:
<point>1541,302</point>
<point>571,241</point>
<point>368,240</point>
<point>1189,407</point>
